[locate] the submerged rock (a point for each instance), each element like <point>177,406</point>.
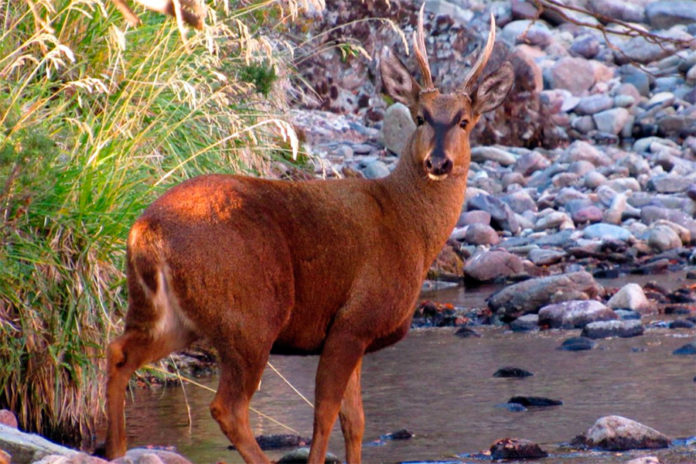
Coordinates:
<point>577,344</point>
<point>151,456</point>
<point>689,348</point>
<point>535,401</point>
<point>509,371</point>
<point>617,433</point>
<point>516,448</point>
<point>300,455</point>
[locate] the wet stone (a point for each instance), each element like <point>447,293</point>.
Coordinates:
<point>616,433</point>
<point>577,344</point>
<point>509,371</point>
<point>535,401</point>
<point>604,329</point>
<point>300,456</point>
<point>516,448</point>
<point>688,349</point>
<point>525,323</point>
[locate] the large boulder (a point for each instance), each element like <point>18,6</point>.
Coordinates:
<point>27,448</point>
<point>617,433</point>
<point>529,296</point>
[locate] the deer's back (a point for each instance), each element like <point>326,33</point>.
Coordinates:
<point>292,251</point>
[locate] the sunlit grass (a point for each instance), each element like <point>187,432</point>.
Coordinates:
<point>96,119</point>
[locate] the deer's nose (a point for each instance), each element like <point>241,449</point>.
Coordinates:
<point>438,166</point>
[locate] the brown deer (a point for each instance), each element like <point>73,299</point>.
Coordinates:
<point>192,12</point>
<point>327,267</point>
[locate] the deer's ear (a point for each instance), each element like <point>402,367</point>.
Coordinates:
<point>494,88</point>
<point>396,79</point>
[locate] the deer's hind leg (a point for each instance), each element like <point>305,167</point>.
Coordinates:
<point>154,329</point>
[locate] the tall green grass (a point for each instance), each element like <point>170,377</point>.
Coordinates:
<point>96,119</point>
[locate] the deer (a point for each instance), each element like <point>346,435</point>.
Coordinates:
<point>191,12</point>
<point>330,267</point>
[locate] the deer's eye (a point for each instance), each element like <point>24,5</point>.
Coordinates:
<point>419,120</point>
<point>463,123</point>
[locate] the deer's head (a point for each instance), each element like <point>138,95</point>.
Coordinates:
<point>440,144</point>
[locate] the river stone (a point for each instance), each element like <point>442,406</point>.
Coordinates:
<point>525,323</point>
<point>688,349</point>
<point>631,296</point>
<point>574,314</point>
<point>530,295</point>
<point>605,231</point>
<point>661,237</point>
<point>645,460</point>
<point>616,433</point>
<point>397,127</point>
<point>586,46</point>
<point>605,329</point>
<point>530,162</point>
<point>502,216</point>
<point>535,401</point>
<point>533,32</point>
<point>481,234</point>
<point>577,344</point>
<point>300,456</point>
<point>490,265</point>
<point>665,14</point>
<point>150,456</point>
<point>476,216</point>
<point>484,153</point>
<point>516,448</point>
<point>611,121</point>
<point>594,104</point>
<point>630,11</point>
<point>84,458</point>
<point>376,170</point>
<point>27,447</point>
<point>583,151</point>
<point>668,183</point>
<point>573,74</point>
<point>509,371</point>
<point>545,256</point>
<point>520,201</point>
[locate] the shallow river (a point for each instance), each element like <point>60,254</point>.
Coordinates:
<point>441,388</point>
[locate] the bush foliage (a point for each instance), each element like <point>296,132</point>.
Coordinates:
<point>96,119</point>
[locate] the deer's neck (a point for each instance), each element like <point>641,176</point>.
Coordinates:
<point>428,208</point>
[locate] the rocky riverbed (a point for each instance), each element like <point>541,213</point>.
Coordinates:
<point>587,172</point>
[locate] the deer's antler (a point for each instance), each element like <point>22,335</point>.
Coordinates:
<point>421,53</point>
<point>476,70</point>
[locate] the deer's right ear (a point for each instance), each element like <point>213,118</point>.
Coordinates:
<point>396,79</point>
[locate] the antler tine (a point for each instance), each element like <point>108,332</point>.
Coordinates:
<point>421,54</point>
<point>477,68</point>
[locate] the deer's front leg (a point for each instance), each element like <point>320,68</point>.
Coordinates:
<point>340,358</point>
<point>352,417</point>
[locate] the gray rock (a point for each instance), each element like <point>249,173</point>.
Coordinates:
<point>481,234</point>
<point>665,14</point>
<point>527,31</point>
<point>615,212</point>
<point>573,74</point>
<point>661,238</point>
<point>583,151</point>
<point>616,433</point>
<point>624,10</point>
<point>520,201</point>
<point>375,170</point>
<point>300,456</point>
<point>586,46</point>
<point>645,460</point>
<point>476,216</point>
<point>553,220</point>
<point>611,121</point>
<point>583,124</point>
<point>502,215</point>
<point>530,162</point>
<point>668,183</point>
<point>640,50</point>
<point>516,448</point>
<point>151,456</point>
<point>26,447</point>
<point>490,265</point>
<point>617,328</point>
<point>451,9</point>
<point>574,314</point>
<point>545,256</point>
<point>79,458</point>
<point>397,127</point>
<point>589,213</point>
<point>530,295</point>
<point>594,104</point>
<point>635,76</point>
<point>486,153</point>
<point>594,179</point>
<point>605,231</point>
<point>525,323</point>
<point>631,296</point>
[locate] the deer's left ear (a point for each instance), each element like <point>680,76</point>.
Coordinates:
<point>493,90</point>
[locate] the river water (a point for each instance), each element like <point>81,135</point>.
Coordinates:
<point>441,388</point>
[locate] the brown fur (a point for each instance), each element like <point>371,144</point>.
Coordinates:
<point>326,267</point>
<point>192,11</point>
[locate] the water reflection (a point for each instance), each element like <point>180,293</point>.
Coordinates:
<point>441,388</point>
